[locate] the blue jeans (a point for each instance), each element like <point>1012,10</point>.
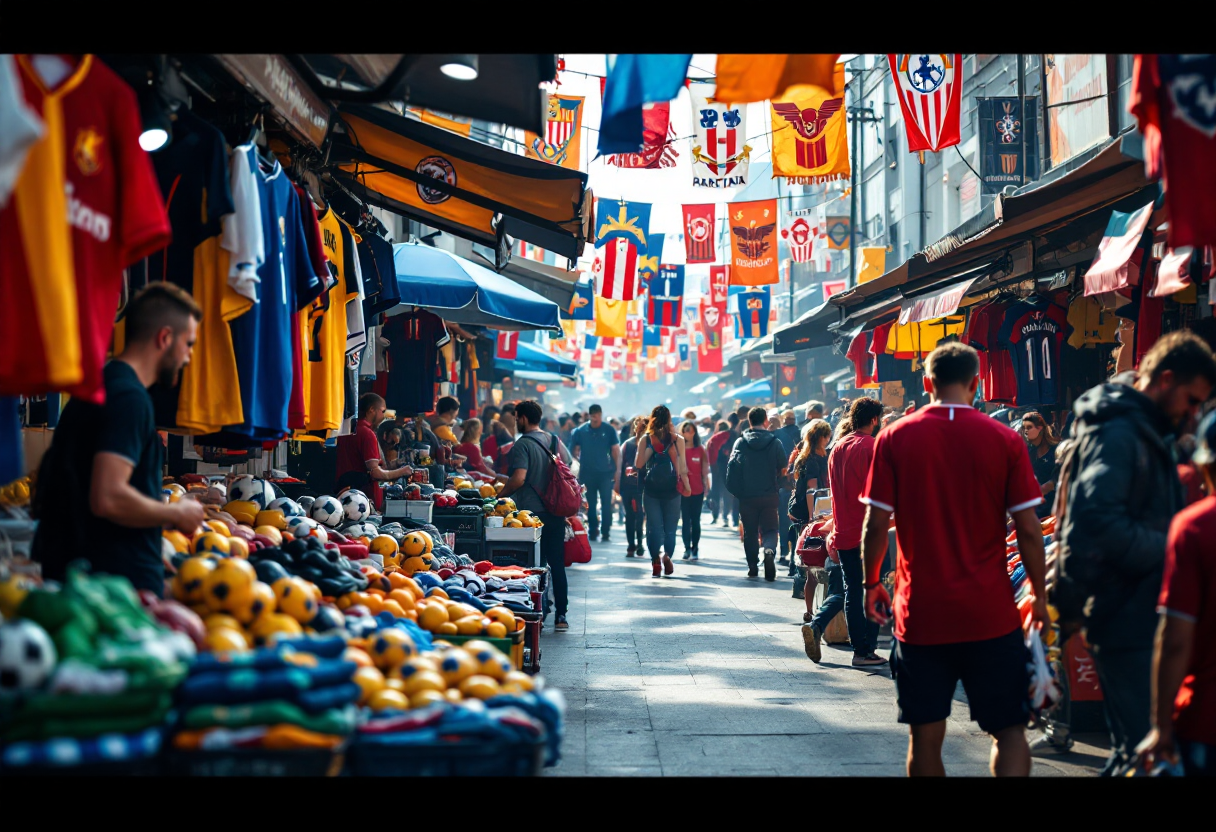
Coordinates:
<point>1126,678</point>
<point>833,603</point>
<point>599,488</point>
<point>863,633</point>
<point>662,518</point>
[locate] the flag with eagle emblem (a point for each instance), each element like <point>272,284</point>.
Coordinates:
<point>810,137</point>
<point>753,242</point>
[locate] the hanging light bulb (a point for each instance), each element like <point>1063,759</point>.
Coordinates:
<point>460,67</point>
<point>156,124</point>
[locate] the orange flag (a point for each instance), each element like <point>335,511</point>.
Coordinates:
<point>757,77</point>
<point>610,317</point>
<point>753,242</point>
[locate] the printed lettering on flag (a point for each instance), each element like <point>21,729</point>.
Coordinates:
<point>753,242</point>
<point>618,277</point>
<point>507,346</point>
<point>800,238</point>
<point>720,152</point>
<point>699,236</point>
<point>620,219</point>
<point>810,137</point>
<point>657,133</point>
<point>930,91</point>
<point>562,142</point>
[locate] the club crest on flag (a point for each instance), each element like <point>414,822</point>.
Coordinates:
<point>753,227</point>
<point>619,218</point>
<point>930,94</point>
<point>720,153</point>
<point>799,236</point>
<point>699,234</point>
<point>560,145</point>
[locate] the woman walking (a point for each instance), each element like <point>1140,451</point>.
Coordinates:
<point>719,499</point>
<point>698,478</point>
<point>661,455</point>
<point>631,491</point>
<point>1042,440</point>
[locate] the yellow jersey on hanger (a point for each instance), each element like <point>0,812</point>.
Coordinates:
<point>916,340</point>
<point>1091,324</point>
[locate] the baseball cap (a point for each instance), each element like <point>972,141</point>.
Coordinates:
<point>1205,441</point>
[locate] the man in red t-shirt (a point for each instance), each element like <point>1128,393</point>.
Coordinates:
<point>949,474</point>
<point>848,469</point>
<point>1184,657</point>
<point>359,457</point>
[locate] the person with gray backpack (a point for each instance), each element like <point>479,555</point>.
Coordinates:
<point>1118,492</point>
<point>665,480</point>
<point>756,463</point>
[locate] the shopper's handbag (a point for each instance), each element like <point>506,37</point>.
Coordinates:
<point>578,547</point>
<point>562,495</point>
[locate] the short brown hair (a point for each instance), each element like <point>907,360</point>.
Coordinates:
<point>367,401</point>
<point>1183,352</point>
<point>159,305</point>
<point>952,363</point>
<point>757,416</point>
<point>863,411</point>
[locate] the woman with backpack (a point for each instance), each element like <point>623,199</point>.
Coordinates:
<point>717,451</point>
<point>698,479</point>
<point>631,491</point>
<point>661,456</point>
<point>810,470</point>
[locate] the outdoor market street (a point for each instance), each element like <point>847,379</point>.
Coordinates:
<point>704,674</point>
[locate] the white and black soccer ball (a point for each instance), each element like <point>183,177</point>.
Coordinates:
<point>328,511</point>
<point>356,505</point>
<point>306,502</point>
<point>252,489</point>
<point>288,506</point>
<point>363,529</point>
<point>27,656</point>
<point>300,526</point>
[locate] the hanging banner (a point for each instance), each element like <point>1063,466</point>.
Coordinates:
<point>633,330</point>
<point>507,345</point>
<point>871,264</point>
<point>665,303</point>
<point>1004,124</point>
<point>709,351</point>
<point>581,307</point>
<point>562,143</point>
<point>810,137</point>
<point>719,285</point>
<point>657,133</point>
<point>648,263</point>
<point>597,360</point>
<point>671,363</point>
<point>591,343</point>
<point>615,270</point>
<point>930,90</point>
<point>609,318</point>
<point>753,242</point>
<point>652,336</point>
<point>699,234</point>
<point>838,232</point>
<point>753,317</point>
<point>650,371</point>
<point>619,219</point>
<point>800,237</point>
<point>719,149</point>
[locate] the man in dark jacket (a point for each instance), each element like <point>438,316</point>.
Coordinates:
<point>1123,494</point>
<point>758,461</point>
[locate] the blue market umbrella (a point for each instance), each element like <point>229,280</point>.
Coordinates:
<point>463,292</point>
<point>760,389</point>
<point>531,361</point>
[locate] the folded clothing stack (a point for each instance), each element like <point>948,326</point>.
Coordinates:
<point>296,695</point>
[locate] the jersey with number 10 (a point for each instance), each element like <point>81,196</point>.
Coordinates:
<point>1034,330</point>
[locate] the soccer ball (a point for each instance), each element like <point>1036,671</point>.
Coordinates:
<point>327,510</point>
<point>27,656</point>
<point>252,489</point>
<point>300,526</point>
<point>356,505</point>
<point>360,530</point>
<point>306,502</point>
<point>288,506</point>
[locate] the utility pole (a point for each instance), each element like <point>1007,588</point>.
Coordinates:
<point>856,114</point>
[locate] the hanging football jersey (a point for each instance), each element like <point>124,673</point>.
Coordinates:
<point>916,340</point>
<point>61,280</point>
<point>1091,324</point>
<point>1034,330</point>
<point>356,328</point>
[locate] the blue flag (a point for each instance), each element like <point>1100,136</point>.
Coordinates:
<point>582,305</point>
<point>616,218</point>
<point>591,343</point>
<point>683,348</point>
<point>752,320</point>
<point>634,80</point>
<point>652,336</point>
<point>648,261</point>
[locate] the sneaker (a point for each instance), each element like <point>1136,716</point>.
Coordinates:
<point>561,625</point>
<point>753,573</point>
<point>668,566</point>
<point>605,538</point>
<point>1045,746</point>
<point>810,642</point>
<point>770,568</point>
<point>687,554</point>
<point>872,660</point>
<point>696,553</point>
<point>656,569</point>
<point>629,552</point>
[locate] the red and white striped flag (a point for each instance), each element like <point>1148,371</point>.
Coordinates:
<point>619,278</point>
<point>930,89</point>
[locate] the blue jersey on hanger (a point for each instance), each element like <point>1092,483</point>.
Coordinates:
<point>262,338</point>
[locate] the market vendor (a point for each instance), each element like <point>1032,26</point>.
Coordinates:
<point>99,485</point>
<point>359,458</point>
<point>446,411</point>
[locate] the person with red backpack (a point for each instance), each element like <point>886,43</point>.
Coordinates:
<point>535,472</point>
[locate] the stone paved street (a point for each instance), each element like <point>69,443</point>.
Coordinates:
<point>704,674</point>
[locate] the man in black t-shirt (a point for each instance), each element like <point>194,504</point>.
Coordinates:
<point>99,486</point>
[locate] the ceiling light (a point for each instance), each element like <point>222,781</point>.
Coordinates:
<point>156,124</point>
<point>460,67</point>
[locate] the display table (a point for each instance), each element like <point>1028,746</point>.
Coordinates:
<point>513,547</point>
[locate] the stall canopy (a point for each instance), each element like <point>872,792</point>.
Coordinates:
<point>703,386</point>
<point>547,281</point>
<point>462,291</point>
<point>506,90</point>
<point>535,360</point>
<point>759,390</point>
<point>460,186</point>
<point>808,332</point>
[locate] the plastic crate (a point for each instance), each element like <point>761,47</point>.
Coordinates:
<point>529,534</point>
<point>422,510</point>
<point>255,762</point>
<point>461,524</point>
<point>453,758</point>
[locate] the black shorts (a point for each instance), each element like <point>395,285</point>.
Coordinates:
<point>993,673</point>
